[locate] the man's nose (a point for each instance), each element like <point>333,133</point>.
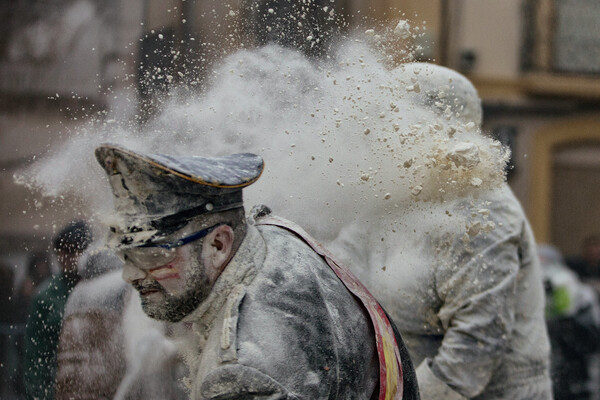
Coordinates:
<point>131,273</point>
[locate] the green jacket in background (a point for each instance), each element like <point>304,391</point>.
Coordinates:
<point>42,333</point>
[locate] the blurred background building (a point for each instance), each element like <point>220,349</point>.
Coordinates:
<point>536,64</point>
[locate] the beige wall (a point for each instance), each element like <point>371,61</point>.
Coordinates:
<point>492,29</point>
<point>548,139</point>
<point>540,136</point>
<point>576,189</point>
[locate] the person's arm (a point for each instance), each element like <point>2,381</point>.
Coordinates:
<point>240,382</point>
<point>478,294</point>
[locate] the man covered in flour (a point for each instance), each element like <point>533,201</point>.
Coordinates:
<point>273,315</point>
<point>462,281</point>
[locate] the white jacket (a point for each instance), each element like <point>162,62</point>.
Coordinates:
<point>464,286</point>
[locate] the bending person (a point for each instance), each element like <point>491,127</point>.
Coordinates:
<point>271,316</point>
<point>462,281</point>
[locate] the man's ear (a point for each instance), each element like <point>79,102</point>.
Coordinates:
<point>218,250</point>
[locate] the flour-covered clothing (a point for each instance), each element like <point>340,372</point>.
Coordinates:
<point>471,307</point>
<point>109,349</point>
<point>279,324</point>
<point>90,362</point>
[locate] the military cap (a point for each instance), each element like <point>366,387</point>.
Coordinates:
<point>157,194</point>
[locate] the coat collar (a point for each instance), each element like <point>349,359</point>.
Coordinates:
<point>240,270</point>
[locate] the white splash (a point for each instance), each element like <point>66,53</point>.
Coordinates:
<point>343,140</point>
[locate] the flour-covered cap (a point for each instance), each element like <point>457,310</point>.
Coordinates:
<point>157,194</point>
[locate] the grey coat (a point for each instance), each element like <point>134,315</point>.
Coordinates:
<point>280,325</point>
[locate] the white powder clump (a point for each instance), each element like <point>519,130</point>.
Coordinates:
<point>476,182</point>
<point>464,155</point>
<point>470,125</point>
<point>416,190</point>
<point>402,30</point>
<point>414,88</point>
<point>474,229</point>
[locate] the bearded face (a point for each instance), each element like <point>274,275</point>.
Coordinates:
<point>161,298</point>
<point>171,282</point>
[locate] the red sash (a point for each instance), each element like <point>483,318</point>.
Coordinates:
<point>390,366</point>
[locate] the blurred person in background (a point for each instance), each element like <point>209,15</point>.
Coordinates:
<point>6,321</point>
<point>90,359</point>
<point>37,270</point>
<point>100,356</point>
<point>573,318</point>
<point>46,312</point>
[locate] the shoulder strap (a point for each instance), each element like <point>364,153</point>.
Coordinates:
<point>390,365</point>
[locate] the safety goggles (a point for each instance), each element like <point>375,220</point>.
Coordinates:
<point>158,254</point>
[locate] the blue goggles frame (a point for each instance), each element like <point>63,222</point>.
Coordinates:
<point>184,240</point>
